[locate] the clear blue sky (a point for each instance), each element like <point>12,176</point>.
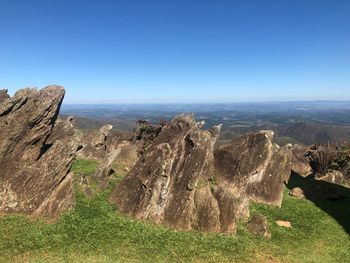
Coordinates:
<point>178,51</point>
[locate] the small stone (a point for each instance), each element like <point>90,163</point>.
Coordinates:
<point>283,223</point>
<point>297,192</point>
<point>258,226</point>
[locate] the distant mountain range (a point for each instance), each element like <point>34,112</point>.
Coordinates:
<point>305,122</point>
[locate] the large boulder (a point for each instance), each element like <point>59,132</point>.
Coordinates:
<point>36,154</point>
<point>182,182</point>
<point>256,165</point>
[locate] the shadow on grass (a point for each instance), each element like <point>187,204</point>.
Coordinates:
<point>331,198</point>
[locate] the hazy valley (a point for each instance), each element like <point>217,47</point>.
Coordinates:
<point>305,123</point>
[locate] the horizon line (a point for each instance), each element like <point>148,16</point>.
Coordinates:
<point>209,102</point>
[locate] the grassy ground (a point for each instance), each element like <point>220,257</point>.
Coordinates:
<point>95,232</point>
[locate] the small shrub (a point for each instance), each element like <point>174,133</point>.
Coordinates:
<point>146,133</point>
<point>325,158</point>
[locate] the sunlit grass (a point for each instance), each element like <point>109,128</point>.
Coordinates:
<point>95,232</point>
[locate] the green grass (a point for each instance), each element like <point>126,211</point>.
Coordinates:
<point>95,232</point>
<point>84,166</point>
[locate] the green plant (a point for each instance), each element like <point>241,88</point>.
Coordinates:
<point>84,166</point>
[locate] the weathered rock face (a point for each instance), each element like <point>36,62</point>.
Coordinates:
<point>180,181</point>
<point>256,165</point>
<point>300,161</point>
<point>105,167</point>
<point>127,158</point>
<point>175,160</point>
<point>35,154</point>
<point>94,144</point>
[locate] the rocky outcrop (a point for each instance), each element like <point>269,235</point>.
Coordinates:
<point>36,154</point>
<point>334,177</point>
<point>182,182</point>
